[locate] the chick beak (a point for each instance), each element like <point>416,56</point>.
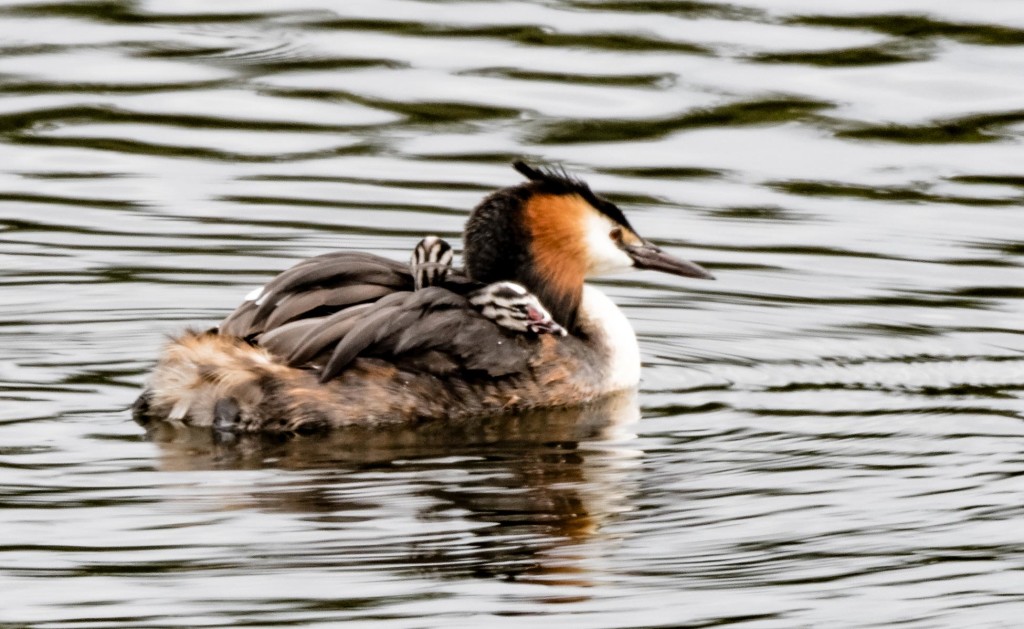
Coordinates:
<point>548,327</point>
<point>647,255</point>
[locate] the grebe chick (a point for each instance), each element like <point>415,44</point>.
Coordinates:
<point>346,339</point>
<point>514,308</point>
<point>431,261</point>
<point>508,304</point>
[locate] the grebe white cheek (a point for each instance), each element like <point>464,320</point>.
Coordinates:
<point>604,253</point>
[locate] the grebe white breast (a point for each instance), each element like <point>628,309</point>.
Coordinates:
<point>351,338</point>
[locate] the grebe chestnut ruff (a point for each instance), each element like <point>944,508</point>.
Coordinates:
<point>352,338</point>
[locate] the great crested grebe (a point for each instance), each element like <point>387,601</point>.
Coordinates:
<point>351,338</point>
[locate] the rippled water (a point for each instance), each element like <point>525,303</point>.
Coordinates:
<point>830,435</point>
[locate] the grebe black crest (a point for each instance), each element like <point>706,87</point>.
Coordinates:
<point>350,338</point>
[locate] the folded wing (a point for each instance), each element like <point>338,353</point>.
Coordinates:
<point>328,311</point>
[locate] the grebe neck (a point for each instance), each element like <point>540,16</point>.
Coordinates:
<point>606,327</point>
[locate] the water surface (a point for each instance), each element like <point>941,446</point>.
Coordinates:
<point>828,436</point>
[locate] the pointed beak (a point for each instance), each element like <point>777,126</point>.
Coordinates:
<point>647,255</point>
<point>548,327</point>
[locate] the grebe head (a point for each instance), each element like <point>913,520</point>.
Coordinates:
<point>552,233</point>
<point>511,306</point>
<point>431,261</point>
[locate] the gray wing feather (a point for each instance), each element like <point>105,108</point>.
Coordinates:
<point>282,341</point>
<point>432,320</point>
<point>333,280</point>
<point>380,329</point>
<point>462,334</point>
<point>433,330</point>
<point>332,273</point>
<point>338,267</point>
<point>325,334</point>
<point>295,305</point>
<point>369,330</point>
<point>239,322</point>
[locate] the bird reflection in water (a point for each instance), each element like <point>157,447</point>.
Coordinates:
<point>529,493</point>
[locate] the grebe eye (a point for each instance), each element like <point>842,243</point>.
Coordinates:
<point>616,235</point>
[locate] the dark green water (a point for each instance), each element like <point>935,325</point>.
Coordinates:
<point>831,435</point>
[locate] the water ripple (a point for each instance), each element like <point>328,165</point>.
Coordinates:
<point>831,429</point>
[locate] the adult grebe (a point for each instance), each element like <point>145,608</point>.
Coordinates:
<point>344,338</point>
